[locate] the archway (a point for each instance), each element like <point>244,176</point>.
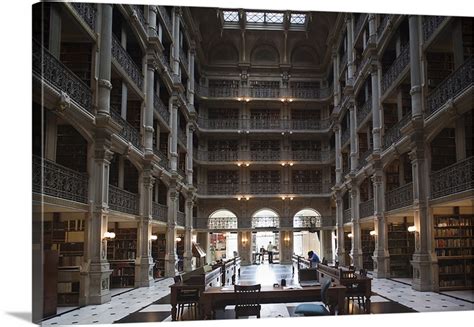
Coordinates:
<point>222,243</point>
<point>265,220</point>
<point>309,220</point>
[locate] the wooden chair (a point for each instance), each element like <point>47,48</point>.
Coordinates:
<point>355,291</point>
<point>310,309</point>
<point>188,298</point>
<point>247,300</point>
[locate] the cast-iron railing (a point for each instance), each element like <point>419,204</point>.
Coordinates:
<point>363,158</point>
<point>161,108</point>
<point>180,218</point>
<point>219,189</point>
<point>166,17</point>
<point>50,178</point>
<point>140,16</point>
<point>61,78</point>
<point>183,57</point>
<point>218,155</point>
<point>307,188</point>
<point>451,86</point>
<point>431,24</point>
<point>123,201</point>
<point>86,11</point>
<point>265,188</point>
<point>126,62</point>
<point>364,111</point>
<point>383,24</point>
<point>128,132</point>
<point>164,161</point>
<point>394,71</point>
<point>218,123</point>
<point>265,222</point>
<point>453,179</point>
<point>393,134</point>
<point>359,24</point>
<point>310,155</point>
<point>159,212</point>
<point>309,124</point>
<point>265,155</point>
<point>400,197</point>
<point>347,216</point>
<point>345,136</point>
<point>366,209</point>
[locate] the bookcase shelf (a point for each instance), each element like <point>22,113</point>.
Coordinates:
<point>121,253</point>
<point>368,248</point>
<point>454,246</point>
<point>158,252</point>
<point>401,245</point>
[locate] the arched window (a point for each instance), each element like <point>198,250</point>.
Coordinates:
<point>265,218</point>
<point>222,219</point>
<point>307,218</point>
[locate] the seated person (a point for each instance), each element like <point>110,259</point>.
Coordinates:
<point>313,259</point>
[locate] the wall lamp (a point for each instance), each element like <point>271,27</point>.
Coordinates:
<point>244,240</point>
<point>349,235</point>
<point>178,239</point>
<point>411,229</point>
<point>372,233</point>
<point>153,237</point>
<point>109,235</point>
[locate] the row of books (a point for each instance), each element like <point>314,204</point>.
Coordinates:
<point>449,232</point>
<point>453,252</point>
<point>454,242</point>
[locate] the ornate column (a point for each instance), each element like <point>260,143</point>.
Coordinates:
<point>173,107</point>
<point>341,252</point>
<point>188,234</point>
<point>350,52</point>
<point>144,260</point>
<point>244,245</point>
<point>338,155</point>
<point>149,108</point>
<point>105,60</point>
<point>176,35</point>
<point>171,257</point>
<point>381,255</point>
<point>95,270</point>
<point>335,69</point>
<point>189,154</point>
<point>354,141</point>
<point>152,27</point>
<point>415,67</point>
<point>356,251</point>
<point>377,124</point>
<point>286,247</point>
<point>191,55</point>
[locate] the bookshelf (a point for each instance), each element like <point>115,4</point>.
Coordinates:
<point>347,247</point>
<point>158,252</point>
<point>121,252</point>
<point>454,246</point>
<point>368,248</point>
<point>401,245</point>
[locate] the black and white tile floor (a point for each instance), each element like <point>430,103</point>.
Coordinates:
<point>153,304</point>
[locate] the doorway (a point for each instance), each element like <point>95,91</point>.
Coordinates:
<point>262,239</point>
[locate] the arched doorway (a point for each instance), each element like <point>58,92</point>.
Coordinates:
<point>308,238</point>
<point>265,223</point>
<point>222,241</point>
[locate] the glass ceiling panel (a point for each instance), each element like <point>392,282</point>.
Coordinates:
<point>299,19</point>
<point>231,16</point>
<point>274,18</point>
<point>255,17</point>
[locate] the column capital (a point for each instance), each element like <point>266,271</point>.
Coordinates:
<point>376,179</point>
<point>153,8</point>
<point>336,127</point>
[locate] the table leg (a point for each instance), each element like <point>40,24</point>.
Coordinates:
<point>173,312</point>
<point>367,305</point>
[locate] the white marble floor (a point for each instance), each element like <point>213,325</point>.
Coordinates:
<point>467,295</point>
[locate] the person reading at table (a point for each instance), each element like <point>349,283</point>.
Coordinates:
<point>313,259</point>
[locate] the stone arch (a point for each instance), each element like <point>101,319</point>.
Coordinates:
<point>265,218</point>
<point>264,54</point>
<point>307,218</point>
<point>222,219</point>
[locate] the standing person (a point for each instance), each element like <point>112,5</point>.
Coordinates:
<point>313,259</point>
<point>262,252</point>
<point>270,252</point>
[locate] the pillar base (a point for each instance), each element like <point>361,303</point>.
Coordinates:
<point>188,262</point>
<point>425,273</point>
<point>144,272</point>
<point>95,284</point>
<point>357,260</point>
<point>381,265</point>
<point>170,266</point>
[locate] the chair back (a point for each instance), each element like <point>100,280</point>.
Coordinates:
<point>247,298</point>
<point>363,272</point>
<point>178,278</point>
<point>324,291</point>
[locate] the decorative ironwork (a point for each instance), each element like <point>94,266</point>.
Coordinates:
<point>396,68</point>
<point>182,136</point>
<point>140,16</point>
<point>180,218</point>
<point>345,136</point>
<point>345,170</point>
<point>161,108</point>
<point>310,124</point>
<point>394,134</point>
<point>128,132</point>
<point>265,222</point>
<point>60,77</point>
<point>452,86</point>
<point>265,188</point>
<point>265,155</point>
<point>219,189</point>
<point>347,216</point>
<point>431,24</point>
<point>164,161</point>
<point>165,16</point>
<point>453,179</point>
<point>382,26</point>
<point>343,61</point>
<point>222,223</point>
<point>366,209</point>
<point>359,24</point>
<point>307,221</point>
<point>52,179</point>
<point>266,124</point>
<point>310,93</point>
<point>310,155</point>
<point>218,155</point>
<point>165,61</point>
<point>183,57</point>
<point>328,221</point>
<point>364,111</point>
<point>181,172</point>
<point>86,11</point>
<point>307,188</point>
<point>399,197</point>
<point>123,201</point>
<point>363,158</point>
<point>126,62</point>
<point>218,123</point>
<point>160,212</point>
<point>362,65</point>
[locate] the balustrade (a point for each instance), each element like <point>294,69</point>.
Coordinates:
<point>219,189</point>
<point>431,24</point>
<point>266,124</point>
<point>164,161</point>
<point>381,28</point>
<point>183,57</point>
<point>309,124</point>
<point>218,155</point>
<point>127,63</point>
<point>346,216</point>
<point>399,197</point>
<point>453,179</point>
<point>366,209</point>
<point>159,212</point>
<point>50,178</point>
<point>451,87</point>
<point>140,16</point>
<point>180,218</point>
<point>128,132</point>
<point>307,188</point>
<point>166,17</point>
<point>393,134</point>
<point>359,24</point>
<point>61,78</point>
<point>363,158</point>
<point>398,65</point>
<point>86,11</point>
<point>364,111</point>
<point>161,108</point>
<point>265,188</point>
<point>265,155</point>
<point>345,136</point>
<point>123,201</point>
<point>218,123</point>
<point>182,136</point>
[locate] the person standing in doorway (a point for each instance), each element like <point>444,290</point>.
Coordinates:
<point>270,252</point>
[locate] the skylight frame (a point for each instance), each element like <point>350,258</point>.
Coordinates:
<point>232,14</point>
<point>298,18</point>
<point>264,18</point>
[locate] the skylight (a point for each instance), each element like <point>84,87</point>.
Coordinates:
<point>255,17</point>
<point>298,19</point>
<point>273,17</point>
<point>265,17</point>
<point>231,16</point>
